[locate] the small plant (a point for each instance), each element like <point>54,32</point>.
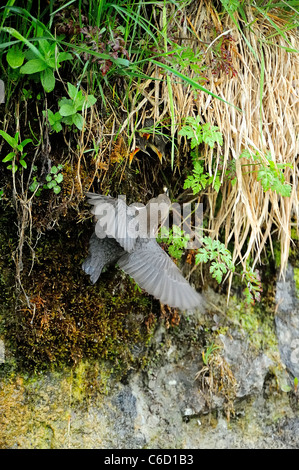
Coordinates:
<point>222,61</point>
<point>176,240</point>
<point>17,155</point>
<point>41,61</point>
<point>54,178</point>
<point>295,384</point>
<point>254,286</point>
<point>199,133</point>
<point>53,181</point>
<point>207,355</point>
<point>231,5</point>
<point>186,57</point>
<point>70,109</point>
<point>269,174</point>
<point>26,94</point>
<point>102,52</point>
<point>54,120</point>
<point>199,180</point>
<point>220,257</point>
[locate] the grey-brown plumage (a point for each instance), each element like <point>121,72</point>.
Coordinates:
<point>126,235</point>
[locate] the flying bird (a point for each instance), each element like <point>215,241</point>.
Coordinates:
<point>126,235</point>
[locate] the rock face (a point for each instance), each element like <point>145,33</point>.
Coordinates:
<point>249,369</point>
<point>190,394</point>
<point>287,322</point>
<point>160,409</point>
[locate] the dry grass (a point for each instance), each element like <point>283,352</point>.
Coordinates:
<point>249,215</point>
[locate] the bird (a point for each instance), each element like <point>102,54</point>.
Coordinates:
<point>126,235</point>
<point>146,138</point>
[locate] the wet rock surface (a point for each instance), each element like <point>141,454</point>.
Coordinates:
<point>287,322</point>
<point>190,394</point>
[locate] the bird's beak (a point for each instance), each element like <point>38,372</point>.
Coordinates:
<point>156,150</point>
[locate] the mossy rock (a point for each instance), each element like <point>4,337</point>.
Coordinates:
<point>64,317</point>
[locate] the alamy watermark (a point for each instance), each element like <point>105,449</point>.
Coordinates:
<point>117,220</point>
<point>2,92</point>
<point>2,352</point>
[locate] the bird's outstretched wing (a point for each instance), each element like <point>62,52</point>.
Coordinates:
<point>114,219</point>
<point>154,271</point>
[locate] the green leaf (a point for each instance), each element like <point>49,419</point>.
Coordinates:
<point>211,134</point>
<point>8,157</point>
<point>25,142</point>
<point>23,163</point>
<point>54,170</point>
<point>33,186</point>
<point>67,109</point>
<point>51,184</point>
<point>72,91</point>
<point>217,184</point>
<point>202,256</point>
<point>33,66</point>
<point>57,189</point>
<point>34,51</point>
<point>44,46</point>
<point>266,178</point>
<point>68,120</point>
<point>64,56</point>
<point>57,127</point>
<point>64,101</point>
<point>15,58</point>
<point>164,233</point>
<point>12,141</point>
<point>51,62</point>
<point>91,100</point>
<point>245,154</point>
<point>80,101</point>
<point>48,80</point>
<point>175,252</point>
<point>49,114</point>
<point>49,178</point>
<point>78,121</point>
<point>54,120</point>
<point>59,178</point>
<point>217,270</point>
<point>56,117</point>
<point>286,190</point>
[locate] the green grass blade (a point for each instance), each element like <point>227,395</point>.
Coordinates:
<point>279,31</point>
<point>6,10</point>
<point>13,32</point>
<point>191,82</point>
<point>125,13</point>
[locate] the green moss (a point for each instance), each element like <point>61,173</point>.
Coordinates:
<point>277,253</point>
<point>294,234</point>
<point>70,319</point>
<point>257,323</point>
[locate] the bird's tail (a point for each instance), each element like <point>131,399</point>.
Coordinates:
<point>95,262</point>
